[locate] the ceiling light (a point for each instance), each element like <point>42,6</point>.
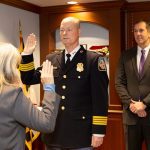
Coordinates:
<point>72,2</point>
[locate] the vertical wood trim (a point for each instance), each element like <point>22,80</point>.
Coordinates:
<point>22,5</point>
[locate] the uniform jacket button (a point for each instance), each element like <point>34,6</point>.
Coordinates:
<point>63,97</point>
<point>64,76</point>
<point>83,117</point>
<point>62,107</point>
<point>63,87</point>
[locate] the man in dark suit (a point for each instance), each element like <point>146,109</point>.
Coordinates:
<point>83,87</point>
<point>133,87</point>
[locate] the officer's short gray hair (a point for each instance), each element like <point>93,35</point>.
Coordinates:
<point>72,19</point>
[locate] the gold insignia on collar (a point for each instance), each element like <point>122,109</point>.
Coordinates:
<point>80,67</point>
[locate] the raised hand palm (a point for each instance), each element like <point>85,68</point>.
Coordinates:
<point>30,44</point>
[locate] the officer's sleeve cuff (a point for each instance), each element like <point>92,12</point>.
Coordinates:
<point>99,135</point>
<point>49,87</point>
<point>24,54</point>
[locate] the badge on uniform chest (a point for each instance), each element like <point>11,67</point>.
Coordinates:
<point>80,67</point>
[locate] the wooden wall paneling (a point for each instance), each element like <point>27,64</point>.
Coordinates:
<point>135,12</point>
<point>133,17</point>
<point>84,7</point>
<point>138,6</point>
<point>129,31</point>
<point>114,140</point>
<point>44,41</point>
<point>115,48</point>
<point>22,5</point>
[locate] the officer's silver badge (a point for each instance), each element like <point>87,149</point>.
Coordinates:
<point>80,67</point>
<point>101,64</point>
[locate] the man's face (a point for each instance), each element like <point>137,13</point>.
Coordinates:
<point>69,33</point>
<point>141,34</point>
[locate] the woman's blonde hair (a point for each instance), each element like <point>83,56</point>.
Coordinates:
<point>10,59</point>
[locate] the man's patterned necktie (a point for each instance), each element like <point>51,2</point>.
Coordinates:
<point>142,61</point>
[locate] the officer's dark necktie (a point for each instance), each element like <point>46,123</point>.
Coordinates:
<point>142,61</point>
<point>68,59</point>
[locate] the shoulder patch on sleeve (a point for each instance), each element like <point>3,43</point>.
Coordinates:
<point>101,64</point>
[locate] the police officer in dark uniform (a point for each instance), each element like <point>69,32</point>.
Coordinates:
<point>82,82</point>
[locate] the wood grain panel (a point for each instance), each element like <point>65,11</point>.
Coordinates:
<point>84,7</point>
<point>22,5</point>
<point>114,139</point>
<point>132,18</point>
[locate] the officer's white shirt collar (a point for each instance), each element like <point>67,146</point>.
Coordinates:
<point>72,53</point>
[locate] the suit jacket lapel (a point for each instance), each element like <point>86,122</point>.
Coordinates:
<point>134,61</point>
<point>147,63</point>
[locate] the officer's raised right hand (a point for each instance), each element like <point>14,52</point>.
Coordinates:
<point>30,44</point>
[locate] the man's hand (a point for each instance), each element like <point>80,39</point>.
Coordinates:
<point>138,107</point>
<point>133,108</point>
<point>30,44</point>
<point>142,113</point>
<point>96,141</point>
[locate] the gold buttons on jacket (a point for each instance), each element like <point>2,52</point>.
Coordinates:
<point>62,107</point>
<point>63,87</point>
<point>64,76</point>
<point>63,97</point>
<point>83,117</point>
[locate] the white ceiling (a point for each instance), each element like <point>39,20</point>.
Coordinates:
<point>44,3</point>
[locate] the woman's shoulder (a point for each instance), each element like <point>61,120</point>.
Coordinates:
<point>11,89</point>
<point>9,95</point>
